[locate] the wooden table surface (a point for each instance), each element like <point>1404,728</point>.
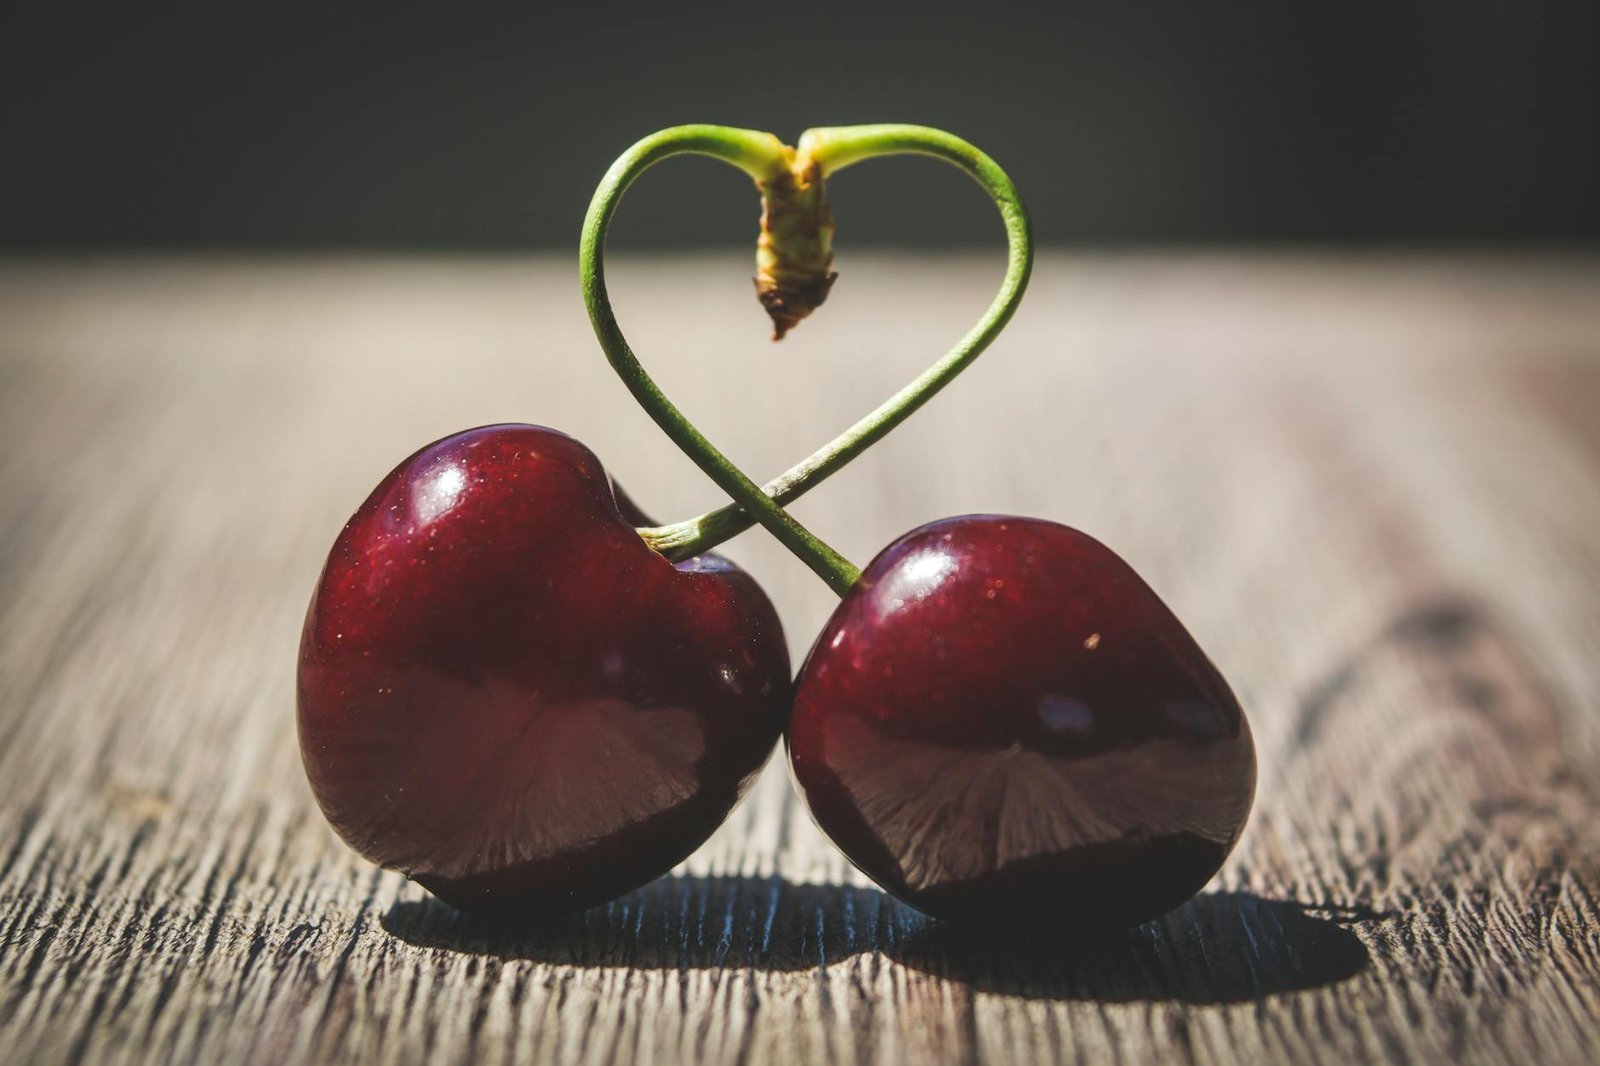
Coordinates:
<point>1369,484</point>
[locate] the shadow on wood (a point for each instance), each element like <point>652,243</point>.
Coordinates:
<point>1219,948</point>
<point>679,923</point>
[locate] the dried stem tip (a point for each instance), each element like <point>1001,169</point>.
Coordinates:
<point>794,255</point>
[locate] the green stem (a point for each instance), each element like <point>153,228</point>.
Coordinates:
<point>759,155</point>
<point>836,149</point>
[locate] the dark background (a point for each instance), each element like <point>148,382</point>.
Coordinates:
<point>465,126</point>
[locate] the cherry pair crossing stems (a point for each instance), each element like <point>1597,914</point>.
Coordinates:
<point>1001,723</point>
<point>509,693</point>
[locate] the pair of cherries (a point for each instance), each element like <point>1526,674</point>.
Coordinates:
<point>528,705</point>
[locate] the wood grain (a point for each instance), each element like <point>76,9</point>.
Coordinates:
<point>1369,484</point>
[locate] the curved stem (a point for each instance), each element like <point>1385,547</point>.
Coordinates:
<point>834,149</point>
<point>758,154</point>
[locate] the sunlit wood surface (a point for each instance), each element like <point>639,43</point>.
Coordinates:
<point>1370,485</point>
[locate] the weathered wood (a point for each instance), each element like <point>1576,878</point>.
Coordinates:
<point>1369,484</point>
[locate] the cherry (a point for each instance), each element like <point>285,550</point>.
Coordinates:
<point>507,695</point>
<point>1002,724</point>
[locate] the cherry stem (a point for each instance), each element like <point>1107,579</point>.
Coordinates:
<point>763,157</point>
<point>758,154</point>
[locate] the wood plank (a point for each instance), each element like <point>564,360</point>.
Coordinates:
<point>1368,483</point>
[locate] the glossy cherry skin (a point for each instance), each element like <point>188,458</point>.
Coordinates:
<point>1002,724</point>
<point>506,695</point>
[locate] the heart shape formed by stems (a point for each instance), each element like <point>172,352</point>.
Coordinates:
<point>821,152</point>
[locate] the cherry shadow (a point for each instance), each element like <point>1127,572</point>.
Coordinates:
<point>675,923</point>
<point>1222,947</point>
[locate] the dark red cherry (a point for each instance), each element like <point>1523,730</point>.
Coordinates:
<point>1002,724</point>
<point>506,695</point>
